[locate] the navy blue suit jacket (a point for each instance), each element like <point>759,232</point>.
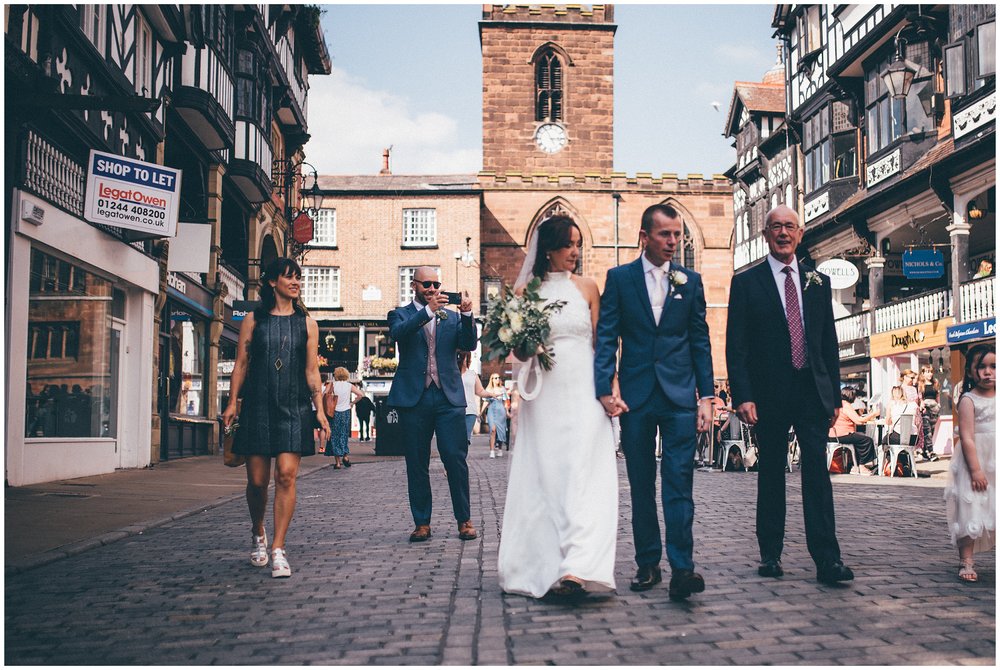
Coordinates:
<point>676,354</point>
<point>759,347</point>
<point>406,328</point>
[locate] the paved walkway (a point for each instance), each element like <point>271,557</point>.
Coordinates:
<point>181,591</point>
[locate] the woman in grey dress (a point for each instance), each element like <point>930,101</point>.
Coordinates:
<point>277,370</point>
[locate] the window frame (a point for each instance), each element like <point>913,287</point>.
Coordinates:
<point>949,76</point>
<point>320,223</point>
<point>411,241</point>
<point>806,38</point>
<point>882,101</point>
<point>550,94</point>
<point>331,296</point>
<point>981,76</point>
<point>143,71</point>
<point>93,23</point>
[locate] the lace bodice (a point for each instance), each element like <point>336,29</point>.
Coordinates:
<point>986,412</point>
<point>573,320</point>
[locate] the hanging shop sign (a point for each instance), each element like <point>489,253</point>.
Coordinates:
<point>928,335</point>
<point>923,264</point>
<point>843,274</point>
<point>132,194</point>
<point>977,330</point>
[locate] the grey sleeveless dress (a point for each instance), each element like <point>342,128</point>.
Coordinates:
<point>276,415</point>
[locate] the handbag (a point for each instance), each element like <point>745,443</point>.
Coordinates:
<point>228,435</point>
<point>330,401</point>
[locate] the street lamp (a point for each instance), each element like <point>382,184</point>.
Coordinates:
<point>899,75</point>
<point>299,223</point>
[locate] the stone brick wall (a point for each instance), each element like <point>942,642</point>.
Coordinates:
<point>510,37</point>
<point>369,248</point>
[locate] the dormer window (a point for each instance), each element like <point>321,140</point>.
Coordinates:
<point>548,87</point>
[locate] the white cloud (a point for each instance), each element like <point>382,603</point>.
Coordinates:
<point>351,124</point>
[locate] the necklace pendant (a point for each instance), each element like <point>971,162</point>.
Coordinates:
<point>277,364</point>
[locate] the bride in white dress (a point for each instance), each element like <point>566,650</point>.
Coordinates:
<point>560,521</point>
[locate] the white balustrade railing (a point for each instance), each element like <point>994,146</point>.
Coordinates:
<point>853,327</point>
<point>976,300</point>
<point>53,175</point>
<point>918,309</point>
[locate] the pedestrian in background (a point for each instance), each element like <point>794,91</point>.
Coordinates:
<point>364,408</point>
<point>340,432</point>
<point>970,495</point>
<point>497,414</point>
<point>277,367</point>
<point>908,382</point>
<point>929,391</point>
<point>844,429</point>
<point>473,389</point>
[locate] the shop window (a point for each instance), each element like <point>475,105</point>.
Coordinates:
<point>325,228</point>
<point>419,227</point>
<point>70,368</point>
<point>321,286</point>
<point>406,286</point>
<point>225,366</point>
<point>188,356</point>
<point>954,70</point>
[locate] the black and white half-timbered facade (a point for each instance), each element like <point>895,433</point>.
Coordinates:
<point>118,347</point>
<point>766,168</point>
<point>887,170</point>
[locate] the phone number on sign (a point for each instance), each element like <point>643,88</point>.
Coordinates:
<point>121,210</point>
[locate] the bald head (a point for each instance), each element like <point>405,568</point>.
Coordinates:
<point>421,275</point>
<point>782,233</point>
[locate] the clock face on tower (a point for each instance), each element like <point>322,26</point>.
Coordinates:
<point>550,137</point>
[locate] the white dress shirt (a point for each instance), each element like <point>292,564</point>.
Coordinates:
<point>777,268</point>
<point>432,324</point>
<point>647,266</point>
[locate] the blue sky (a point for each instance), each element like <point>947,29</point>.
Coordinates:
<point>410,76</point>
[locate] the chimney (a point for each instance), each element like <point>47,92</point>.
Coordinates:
<point>385,161</point>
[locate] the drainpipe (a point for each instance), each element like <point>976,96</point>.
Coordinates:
<point>618,198</point>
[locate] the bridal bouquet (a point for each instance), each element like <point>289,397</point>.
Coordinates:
<point>520,325</point>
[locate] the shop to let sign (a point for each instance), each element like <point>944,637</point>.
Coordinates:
<point>132,194</point>
<point>923,264</point>
<point>977,330</point>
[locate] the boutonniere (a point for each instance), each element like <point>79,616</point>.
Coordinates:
<point>812,278</point>
<point>441,315</point>
<point>678,278</point>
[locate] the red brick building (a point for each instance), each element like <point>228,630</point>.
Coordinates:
<point>548,106</point>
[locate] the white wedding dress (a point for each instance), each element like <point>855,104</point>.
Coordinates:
<point>561,513</point>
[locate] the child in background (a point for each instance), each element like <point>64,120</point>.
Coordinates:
<point>970,496</point>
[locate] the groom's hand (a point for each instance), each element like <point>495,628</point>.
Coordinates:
<point>704,415</point>
<point>611,405</point>
<point>747,412</point>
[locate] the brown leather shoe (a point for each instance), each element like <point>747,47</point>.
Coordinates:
<point>420,534</point>
<point>466,531</point>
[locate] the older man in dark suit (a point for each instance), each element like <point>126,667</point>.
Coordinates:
<point>784,371</point>
<point>427,389</point>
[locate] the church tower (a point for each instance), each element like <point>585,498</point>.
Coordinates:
<point>548,88</point>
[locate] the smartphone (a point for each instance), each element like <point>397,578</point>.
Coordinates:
<point>453,298</point>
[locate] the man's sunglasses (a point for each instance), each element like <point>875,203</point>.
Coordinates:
<point>429,284</point>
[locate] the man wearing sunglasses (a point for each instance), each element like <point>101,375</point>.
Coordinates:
<point>427,390</point>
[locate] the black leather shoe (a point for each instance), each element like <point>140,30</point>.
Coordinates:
<point>646,578</point>
<point>770,568</point>
<point>685,582</point>
<point>834,573</point>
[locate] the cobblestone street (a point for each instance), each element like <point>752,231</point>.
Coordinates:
<point>184,592</point>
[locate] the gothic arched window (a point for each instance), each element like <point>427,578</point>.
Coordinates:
<point>548,87</point>
<point>557,209</point>
<point>685,253</point>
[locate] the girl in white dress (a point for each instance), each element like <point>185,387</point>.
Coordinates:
<point>971,492</point>
<point>560,522</point>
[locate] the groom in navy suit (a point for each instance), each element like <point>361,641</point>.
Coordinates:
<point>657,310</point>
<point>427,389</point>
